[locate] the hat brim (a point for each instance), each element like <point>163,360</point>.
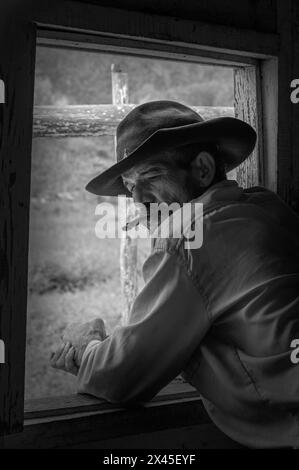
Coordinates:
<point>235,139</point>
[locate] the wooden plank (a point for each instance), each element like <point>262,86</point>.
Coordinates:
<point>246,14</point>
<point>295,117</point>
<point>2,92</point>
<point>70,404</point>
<point>84,428</point>
<point>73,121</point>
<point>288,113</point>
<point>128,245</point>
<point>94,120</point>
<point>137,46</point>
<point>269,86</point>
<point>285,107</point>
<point>202,436</point>
<point>17,53</point>
<point>120,22</point>
<point>248,108</point>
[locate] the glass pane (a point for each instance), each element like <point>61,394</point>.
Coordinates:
<point>74,276</point>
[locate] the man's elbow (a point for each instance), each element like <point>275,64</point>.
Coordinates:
<point>116,394</point>
<point>125,397</point>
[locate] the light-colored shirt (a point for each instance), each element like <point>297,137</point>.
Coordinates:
<point>224,315</point>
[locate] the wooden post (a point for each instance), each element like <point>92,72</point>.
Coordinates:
<point>2,92</point>
<point>128,245</point>
<point>248,108</point>
<point>17,65</point>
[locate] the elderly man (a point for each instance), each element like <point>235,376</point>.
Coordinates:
<point>225,314</point>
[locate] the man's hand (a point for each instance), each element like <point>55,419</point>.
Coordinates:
<point>80,333</point>
<point>64,359</point>
<point>76,337</point>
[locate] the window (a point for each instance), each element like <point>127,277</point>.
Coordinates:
<point>253,54</point>
<point>73,276</point>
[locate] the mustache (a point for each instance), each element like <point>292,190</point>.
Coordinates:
<point>160,189</point>
<point>152,215</point>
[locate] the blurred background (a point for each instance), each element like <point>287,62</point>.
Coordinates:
<point>73,276</point>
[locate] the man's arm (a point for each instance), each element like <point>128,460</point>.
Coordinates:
<point>167,322</point>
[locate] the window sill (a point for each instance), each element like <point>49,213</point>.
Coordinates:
<point>78,419</point>
<point>77,403</point>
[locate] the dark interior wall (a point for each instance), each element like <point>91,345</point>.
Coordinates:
<point>259,15</point>
<point>17,47</point>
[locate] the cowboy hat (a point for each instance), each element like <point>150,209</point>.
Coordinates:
<point>158,125</point>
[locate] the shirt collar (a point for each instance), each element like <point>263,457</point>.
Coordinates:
<point>226,190</point>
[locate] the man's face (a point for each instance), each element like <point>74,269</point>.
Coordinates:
<point>159,182</point>
<point>162,179</point>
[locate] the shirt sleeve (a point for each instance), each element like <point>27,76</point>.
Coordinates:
<point>167,322</point>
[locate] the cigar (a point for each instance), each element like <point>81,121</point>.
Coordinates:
<point>132,223</point>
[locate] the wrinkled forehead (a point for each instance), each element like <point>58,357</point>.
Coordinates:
<point>149,168</point>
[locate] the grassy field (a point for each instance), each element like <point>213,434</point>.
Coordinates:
<point>73,276</point>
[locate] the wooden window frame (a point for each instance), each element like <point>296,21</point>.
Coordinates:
<point>91,27</point>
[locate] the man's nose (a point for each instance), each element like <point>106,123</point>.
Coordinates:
<point>141,194</point>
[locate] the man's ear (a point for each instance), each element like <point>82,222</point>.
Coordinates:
<point>204,168</point>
